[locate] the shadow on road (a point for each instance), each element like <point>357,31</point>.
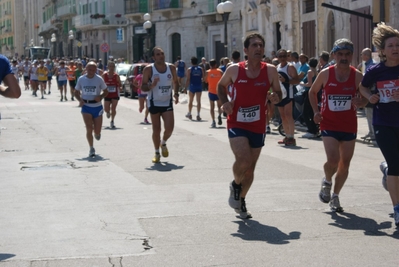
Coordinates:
<point>97,157</point>
<point>252,230</point>
<point>164,167</point>
<point>349,221</point>
<point>6,256</point>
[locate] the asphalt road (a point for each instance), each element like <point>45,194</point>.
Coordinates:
<point>61,208</point>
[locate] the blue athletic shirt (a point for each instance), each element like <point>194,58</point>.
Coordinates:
<point>180,67</point>
<point>5,67</point>
<point>195,77</point>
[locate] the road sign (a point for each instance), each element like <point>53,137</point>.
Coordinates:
<point>104,47</point>
<point>79,44</point>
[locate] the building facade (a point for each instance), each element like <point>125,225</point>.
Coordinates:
<point>187,28</point>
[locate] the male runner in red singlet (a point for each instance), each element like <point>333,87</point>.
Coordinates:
<point>337,118</point>
<point>251,82</point>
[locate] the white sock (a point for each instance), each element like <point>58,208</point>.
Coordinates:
<point>163,142</point>
<point>327,181</point>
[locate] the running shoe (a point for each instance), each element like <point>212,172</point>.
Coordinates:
<point>73,99</point>
<point>396,215</point>
<point>97,136</point>
<point>189,116</point>
<point>61,98</point>
<point>283,142</point>
<point>92,152</point>
<point>65,98</point>
<point>198,118</point>
<point>242,211</point>
<point>49,92</point>
<point>213,125</point>
<point>290,142</point>
<point>42,97</point>
<point>146,121</point>
<point>335,205</point>
<point>325,192</point>
<point>45,93</point>
<point>234,199</point>
<point>384,169</point>
<point>220,120</point>
<point>164,151</point>
<point>112,124</point>
<point>268,129</point>
<point>108,115</point>
<point>156,158</point>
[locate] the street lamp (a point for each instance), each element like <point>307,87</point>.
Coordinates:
<point>147,26</point>
<point>225,9</point>
<point>71,37</point>
<point>53,41</point>
<point>41,41</point>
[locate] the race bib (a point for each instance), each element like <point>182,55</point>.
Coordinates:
<point>386,89</point>
<point>339,102</point>
<point>164,90</point>
<point>89,90</point>
<point>111,89</point>
<point>250,114</point>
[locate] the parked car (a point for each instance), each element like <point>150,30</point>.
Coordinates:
<point>121,70</point>
<point>129,90</point>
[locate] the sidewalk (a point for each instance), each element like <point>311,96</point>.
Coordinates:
<point>362,121</point>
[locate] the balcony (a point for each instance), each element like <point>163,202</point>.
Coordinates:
<point>209,10</point>
<point>110,21</point>
<point>46,27</point>
<point>134,9</point>
<point>66,11</point>
<point>168,8</point>
<point>83,22</point>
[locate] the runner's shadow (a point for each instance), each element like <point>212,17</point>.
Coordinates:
<point>294,147</point>
<point>349,221</point>
<point>6,256</point>
<point>252,230</point>
<point>96,158</point>
<point>112,129</point>
<point>164,167</point>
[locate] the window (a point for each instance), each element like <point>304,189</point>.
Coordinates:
<point>95,7</point>
<point>65,26</point>
<point>104,7</point>
<point>308,6</point>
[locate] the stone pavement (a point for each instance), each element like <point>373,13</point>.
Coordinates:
<point>60,208</point>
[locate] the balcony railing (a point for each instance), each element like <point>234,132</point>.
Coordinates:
<point>109,21</point>
<point>81,21</point>
<point>46,26</point>
<point>167,4</point>
<point>136,6</point>
<point>66,11</point>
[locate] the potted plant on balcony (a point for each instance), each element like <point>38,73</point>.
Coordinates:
<point>118,15</point>
<point>101,16</point>
<point>95,16</point>
<point>105,21</point>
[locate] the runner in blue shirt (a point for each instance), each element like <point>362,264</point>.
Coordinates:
<point>181,71</point>
<point>13,90</point>
<point>195,75</point>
